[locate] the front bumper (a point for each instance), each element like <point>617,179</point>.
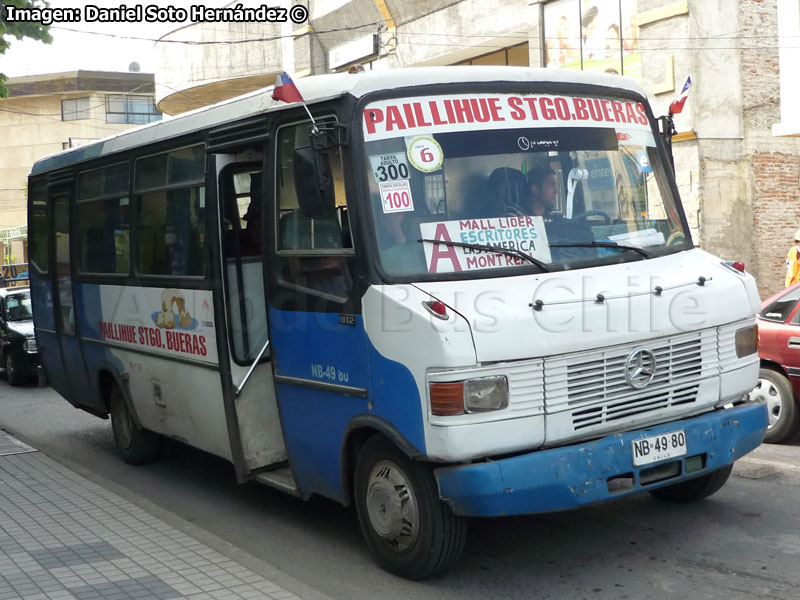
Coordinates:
<point>571,476</point>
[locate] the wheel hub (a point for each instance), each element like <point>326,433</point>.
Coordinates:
<point>391,506</point>
<point>767,393</point>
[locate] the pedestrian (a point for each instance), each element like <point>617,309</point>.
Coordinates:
<point>793,261</point>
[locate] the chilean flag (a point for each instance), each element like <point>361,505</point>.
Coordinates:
<point>285,89</point>
<point>677,105</point>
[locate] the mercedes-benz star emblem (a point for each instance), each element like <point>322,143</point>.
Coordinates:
<point>640,368</point>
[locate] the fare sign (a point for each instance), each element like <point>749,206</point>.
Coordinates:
<point>526,234</point>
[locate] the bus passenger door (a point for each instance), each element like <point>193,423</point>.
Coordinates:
<point>240,196</point>
<point>316,329</point>
<point>74,377</point>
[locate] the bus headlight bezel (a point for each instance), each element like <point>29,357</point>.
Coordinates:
<point>469,396</point>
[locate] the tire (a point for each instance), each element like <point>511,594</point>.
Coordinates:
<point>12,373</point>
<point>137,446</point>
<point>409,530</point>
<point>775,390</point>
<point>694,489</point>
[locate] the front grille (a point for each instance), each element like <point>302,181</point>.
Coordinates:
<point>592,389</point>
<point>676,360</point>
<point>623,409</point>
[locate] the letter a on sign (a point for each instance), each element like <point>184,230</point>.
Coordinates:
<point>442,251</point>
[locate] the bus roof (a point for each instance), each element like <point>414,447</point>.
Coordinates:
<point>314,89</point>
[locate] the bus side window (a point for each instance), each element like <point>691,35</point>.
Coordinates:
<point>313,253</point>
<point>39,227</point>
<point>103,226</point>
<point>171,215</point>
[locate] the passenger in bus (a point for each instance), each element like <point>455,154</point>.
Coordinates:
<point>250,240</point>
<point>506,194</point>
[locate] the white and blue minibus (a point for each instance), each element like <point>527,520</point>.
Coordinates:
<point>432,293</point>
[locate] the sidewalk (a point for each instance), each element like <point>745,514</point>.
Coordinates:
<point>63,537</point>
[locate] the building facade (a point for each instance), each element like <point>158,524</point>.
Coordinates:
<point>736,156</point>
<point>48,113</point>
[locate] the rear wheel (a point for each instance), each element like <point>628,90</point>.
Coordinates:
<point>137,446</point>
<point>411,532</point>
<point>694,489</point>
<point>775,390</point>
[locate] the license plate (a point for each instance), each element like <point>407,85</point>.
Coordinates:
<point>659,447</point>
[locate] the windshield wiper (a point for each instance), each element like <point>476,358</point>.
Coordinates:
<point>636,249</point>
<point>487,248</point>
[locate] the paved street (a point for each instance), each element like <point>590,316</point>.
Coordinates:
<point>742,543</point>
<point>64,537</point>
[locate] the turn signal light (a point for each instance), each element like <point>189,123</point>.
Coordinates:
<point>747,341</point>
<point>447,399</point>
<point>736,265</point>
<point>437,308</point>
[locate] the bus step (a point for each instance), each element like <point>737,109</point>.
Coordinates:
<point>281,479</point>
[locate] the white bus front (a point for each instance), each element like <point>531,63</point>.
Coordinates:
<point>568,345</point>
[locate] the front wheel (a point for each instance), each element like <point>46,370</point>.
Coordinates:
<point>694,489</point>
<point>137,446</point>
<point>411,532</point>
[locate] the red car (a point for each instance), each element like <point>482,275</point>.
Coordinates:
<point>779,350</point>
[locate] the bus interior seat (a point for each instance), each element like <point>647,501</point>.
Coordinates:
<point>507,191</point>
<point>328,274</point>
<point>474,203</point>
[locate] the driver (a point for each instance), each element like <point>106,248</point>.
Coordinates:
<point>543,191</point>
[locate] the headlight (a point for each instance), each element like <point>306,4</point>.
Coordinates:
<point>747,341</point>
<point>482,394</point>
<point>29,345</point>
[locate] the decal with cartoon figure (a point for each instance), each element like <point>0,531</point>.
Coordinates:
<point>168,318</point>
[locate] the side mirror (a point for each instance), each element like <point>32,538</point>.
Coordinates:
<point>666,129</point>
<point>313,180</point>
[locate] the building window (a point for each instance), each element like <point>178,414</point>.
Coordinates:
<point>602,37</point>
<point>515,56</point>
<point>75,109</point>
<point>135,110</point>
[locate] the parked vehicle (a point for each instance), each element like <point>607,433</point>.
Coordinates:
<point>779,377</point>
<point>20,357</point>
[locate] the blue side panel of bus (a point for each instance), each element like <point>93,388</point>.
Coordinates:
<point>316,346</point>
<point>47,340</point>
<point>97,357</point>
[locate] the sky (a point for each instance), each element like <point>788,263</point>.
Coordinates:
<point>75,48</point>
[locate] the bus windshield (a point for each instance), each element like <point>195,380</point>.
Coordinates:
<point>476,182</point>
